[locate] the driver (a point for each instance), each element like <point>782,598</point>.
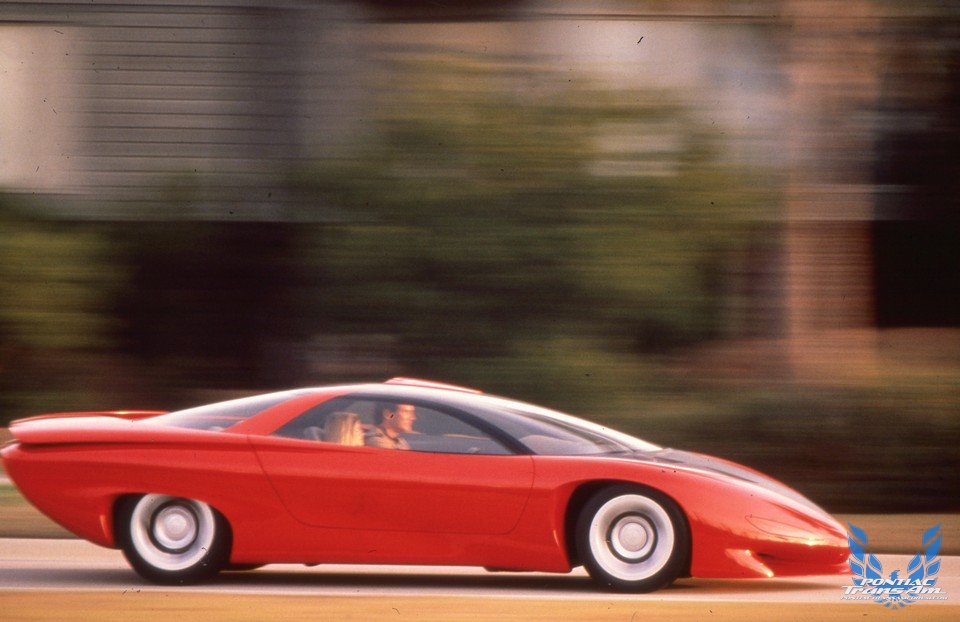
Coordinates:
<point>391,423</point>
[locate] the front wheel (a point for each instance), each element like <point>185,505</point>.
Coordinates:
<point>172,540</point>
<point>632,539</point>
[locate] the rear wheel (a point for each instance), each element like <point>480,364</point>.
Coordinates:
<point>632,539</point>
<point>172,540</point>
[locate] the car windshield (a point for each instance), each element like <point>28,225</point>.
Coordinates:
<point>222,415</point>
<point>552,433</point>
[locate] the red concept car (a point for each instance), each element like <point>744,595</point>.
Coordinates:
<point>433,474</point>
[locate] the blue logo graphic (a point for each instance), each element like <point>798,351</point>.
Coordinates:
<point>895,591</point>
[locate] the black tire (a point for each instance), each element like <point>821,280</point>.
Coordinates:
<point>172,540</point>
<point>632,539</point>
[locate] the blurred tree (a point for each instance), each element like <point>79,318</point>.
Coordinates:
<point>494,206</point>
<point>57,281</point>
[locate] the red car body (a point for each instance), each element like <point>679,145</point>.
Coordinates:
<point>296,500</point>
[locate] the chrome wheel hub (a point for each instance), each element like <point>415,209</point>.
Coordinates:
<point>632,537</point>
<point>174,528</point>
<point>172,533</point>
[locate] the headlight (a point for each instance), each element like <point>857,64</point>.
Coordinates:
<point>792,533</point>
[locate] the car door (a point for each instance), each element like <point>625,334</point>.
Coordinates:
<point>455,479</point>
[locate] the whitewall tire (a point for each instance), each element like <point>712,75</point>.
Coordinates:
<point>632,539</point>
<point>172,540</point>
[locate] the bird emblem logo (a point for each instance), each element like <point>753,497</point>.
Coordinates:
<point>893,590</point>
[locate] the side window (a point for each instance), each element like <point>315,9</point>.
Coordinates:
<point>439,432</point>
<point>390,425</point>
<point>328,422</point>
<point>217,417</point>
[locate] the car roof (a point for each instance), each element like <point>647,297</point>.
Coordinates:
<point>402,388</point>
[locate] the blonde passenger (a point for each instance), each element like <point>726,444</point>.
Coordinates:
<point>343,428</point>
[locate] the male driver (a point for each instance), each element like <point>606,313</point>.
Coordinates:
<point>390,425</point>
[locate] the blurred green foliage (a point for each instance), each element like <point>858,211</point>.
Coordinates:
<point>58,282</point>
<point>54,279</point>
<point>498,228</point>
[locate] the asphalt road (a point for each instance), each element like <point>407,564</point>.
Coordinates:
<point>77,566</point>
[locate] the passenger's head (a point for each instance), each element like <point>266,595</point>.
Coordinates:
<point>397,418</point>
<point>343,428</point>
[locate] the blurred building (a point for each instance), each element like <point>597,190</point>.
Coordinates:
<point>129,109</point>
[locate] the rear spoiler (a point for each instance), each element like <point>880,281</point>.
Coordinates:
<point>109,427</point>
<point>129,415</point>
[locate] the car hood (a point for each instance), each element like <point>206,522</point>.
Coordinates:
<point>714,465</point>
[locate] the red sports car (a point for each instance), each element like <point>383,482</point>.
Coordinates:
<point>409,472</point>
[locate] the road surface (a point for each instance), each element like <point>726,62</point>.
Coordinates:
<point>75,565</point>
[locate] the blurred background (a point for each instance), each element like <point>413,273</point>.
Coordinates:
<point>724,226</point>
